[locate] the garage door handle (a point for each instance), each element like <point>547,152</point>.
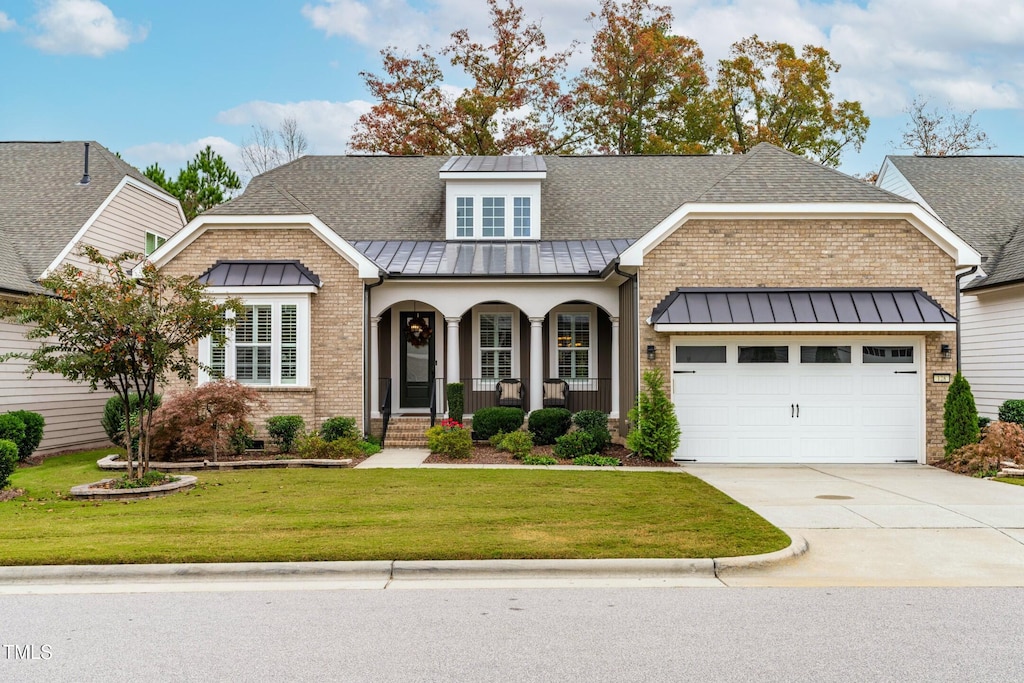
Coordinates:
<point>791,405</point>
<point>904,372</point>
<point>798,410</point>
<point>684,372</point>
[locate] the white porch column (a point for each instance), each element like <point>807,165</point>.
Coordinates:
<point>536,362</point>
<point>615,367</point>
<point>452,371</point>
<point>374,366</point>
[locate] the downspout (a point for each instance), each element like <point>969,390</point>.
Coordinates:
<point>367,389</point>
<point>972,271</point>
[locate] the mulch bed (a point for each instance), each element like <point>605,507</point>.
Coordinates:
<point>485,454</point>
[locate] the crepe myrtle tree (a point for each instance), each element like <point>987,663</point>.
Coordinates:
<point>126,332</point>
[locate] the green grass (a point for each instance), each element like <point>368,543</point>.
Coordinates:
<point>1019,481</point>
<point>351,514</point>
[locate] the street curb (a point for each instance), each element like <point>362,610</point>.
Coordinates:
<point>430,570</point>
<point>731,565</point>
<point>100,573</point>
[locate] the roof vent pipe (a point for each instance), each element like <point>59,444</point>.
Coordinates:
<point>85,176</point>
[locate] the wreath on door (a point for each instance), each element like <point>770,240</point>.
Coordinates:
<point>418,331</point>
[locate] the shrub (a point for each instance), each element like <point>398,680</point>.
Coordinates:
<point>8,461</point>
<point>489,421</point>
<point>316,447</point>
<point>12,428</point>
<point>34,424</point>
<point>574,444</point>
<point>595,423</point>
<point>113,418</point>
<point>547,424</point>
<point>369,447</point>
<point>496,440</point>
<point>538,460</point>
<point>456,400</point>
<point>983,422</point>
<point>655,427</point>
<point>518,443</point>
<point>596,461</point>
<point>1012,411</point>
<point>207,420</point>
<point>1001,441</point>
<point>284,430</point>
<point>961,415</point>
<point>450,438</point>
<point>339,428</point>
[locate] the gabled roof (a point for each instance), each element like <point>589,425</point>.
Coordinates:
<point>584,197</point>
<point>43,205</point>
<point>981,198</point>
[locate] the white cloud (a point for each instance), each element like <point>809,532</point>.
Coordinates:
<point>374,23</point>
<point>85,27</point>
<point>6,23</point>
<point>173,156</point>
<point>327,125</point>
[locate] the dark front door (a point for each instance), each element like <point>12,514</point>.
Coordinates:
<point>416,359</point>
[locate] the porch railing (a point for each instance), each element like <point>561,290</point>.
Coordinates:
<point>594,393</point>
<point>437,398</point>
<point>385,407</point>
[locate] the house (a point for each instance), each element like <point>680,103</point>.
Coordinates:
<point>980,198</point>
<point>55,197</point>
<point>797,314</point>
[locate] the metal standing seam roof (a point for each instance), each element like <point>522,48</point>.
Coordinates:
<point>411,258</point>
<point>799,306</point>
<point>258,274</point>
<point>485,164</point>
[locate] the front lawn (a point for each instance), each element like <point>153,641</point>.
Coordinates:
<point>1011,480</point>
<point>378,514</point>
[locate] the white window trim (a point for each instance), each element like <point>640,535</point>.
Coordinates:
<point>590,384</point>
<point>478,191</point>
<point>303,342</point>
<point>158,241</point>
<point>486,384</point>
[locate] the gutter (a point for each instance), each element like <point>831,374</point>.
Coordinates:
<point>972,271</point>
<point>367,389</point>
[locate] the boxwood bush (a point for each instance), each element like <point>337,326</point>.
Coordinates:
<point>518,443</point>
<point>595,423</point>
<point>113,416</point>
<point>455,442</point>
<point>12,429</point>
<point>489,421</point>
<point>34,424</point>
<point>8,461</point>
<point>284,429</point>
<point>547,424</point>
<point>339,428</point>
<point>574,445</point>
<point>1012,411</point>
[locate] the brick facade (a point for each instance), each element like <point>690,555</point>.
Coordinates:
<point>805,253</point>
<point>336,318</point>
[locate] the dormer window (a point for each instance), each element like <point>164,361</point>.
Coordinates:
<point>493,198</point>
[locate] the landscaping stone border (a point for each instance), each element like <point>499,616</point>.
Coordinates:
<point>88,492</point>
<point>114,462</point>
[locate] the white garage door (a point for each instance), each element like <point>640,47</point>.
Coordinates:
<point>793,399</point>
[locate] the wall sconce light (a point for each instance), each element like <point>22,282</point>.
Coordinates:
<point>947,352</point>
<point>651,353</point>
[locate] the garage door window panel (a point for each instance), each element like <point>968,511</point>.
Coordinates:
<point>700,354</point>
<point>764,354</point>
<point>888,354</point>
<point>825,354</point>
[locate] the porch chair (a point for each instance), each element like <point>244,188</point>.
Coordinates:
<point>556,393</point>
<point>510,393</point>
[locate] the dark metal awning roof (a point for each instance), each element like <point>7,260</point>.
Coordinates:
<point>259,274</point>
<point>824,309</point>
<point>411,258</point>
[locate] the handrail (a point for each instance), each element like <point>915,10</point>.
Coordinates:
<point>385,409</point>
<point>432,381</point>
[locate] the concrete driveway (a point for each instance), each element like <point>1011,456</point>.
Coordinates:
<point>882,525</point>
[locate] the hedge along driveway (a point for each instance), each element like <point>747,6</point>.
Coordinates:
<point>412,514</point>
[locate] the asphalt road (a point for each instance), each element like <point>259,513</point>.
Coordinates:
<point>576,634</point>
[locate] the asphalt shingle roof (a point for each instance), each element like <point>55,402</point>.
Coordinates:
<point>981,199</point>
<point>43,206</point>
<point>584,197</point>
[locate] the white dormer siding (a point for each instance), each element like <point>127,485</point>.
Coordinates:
<point>493,198</point>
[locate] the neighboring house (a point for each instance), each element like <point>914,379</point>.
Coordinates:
<point>797,314</point>
<point>980,198</point>
<point>50,206</point>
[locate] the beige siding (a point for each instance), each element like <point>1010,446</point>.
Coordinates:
<point>123,224</point>
<point>804,253</point>
<point>992,334</point>
<point>71,411</point>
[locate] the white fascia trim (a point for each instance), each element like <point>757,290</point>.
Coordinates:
<point>172,247</point>
<point>494,175</point>
<point>802,328</point>
<point>929,225</point>
<point>272,290</point>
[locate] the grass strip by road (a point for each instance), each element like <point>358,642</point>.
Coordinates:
<point>352,514</point>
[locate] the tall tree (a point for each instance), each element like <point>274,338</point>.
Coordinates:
<point>108,328</point>
<point>206,181</point>
<point>646,90</point>
<point>769,94</point>
<point>931,132</point>
<point>268,148</point>
<point>515,102</point>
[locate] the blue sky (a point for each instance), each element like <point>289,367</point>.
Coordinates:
<point>156,80</point>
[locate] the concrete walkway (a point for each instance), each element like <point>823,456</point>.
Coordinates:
<point>882,525</point>
<point>396,458</point>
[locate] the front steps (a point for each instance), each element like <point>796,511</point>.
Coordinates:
<point>404,431</point>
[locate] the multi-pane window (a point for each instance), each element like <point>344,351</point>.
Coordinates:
<point>289,343</point>
<point>253,340</point>
<point>495,345</point>
<point>464,217</point>
<point>521,217</point>
<point>153,241</point>
<point>573,345</point>
<point>493,219</point>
